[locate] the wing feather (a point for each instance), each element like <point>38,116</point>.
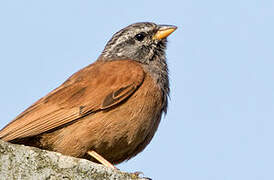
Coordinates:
<point>99,86</point>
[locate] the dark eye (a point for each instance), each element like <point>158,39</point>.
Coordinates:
<point>140,36</point>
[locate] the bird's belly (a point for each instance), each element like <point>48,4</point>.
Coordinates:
<point>127,128</point>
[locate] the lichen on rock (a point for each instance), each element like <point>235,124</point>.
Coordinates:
<point>23,162</point>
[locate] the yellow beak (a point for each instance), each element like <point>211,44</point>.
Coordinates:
<point>164,31</point>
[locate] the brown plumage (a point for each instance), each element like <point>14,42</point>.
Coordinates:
<point>112,106</point>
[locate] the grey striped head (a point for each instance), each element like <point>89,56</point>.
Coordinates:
<point>136,42</point>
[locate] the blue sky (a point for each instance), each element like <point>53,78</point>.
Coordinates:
<point>221,113</point>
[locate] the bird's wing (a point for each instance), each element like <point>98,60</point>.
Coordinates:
<point>99,86</point>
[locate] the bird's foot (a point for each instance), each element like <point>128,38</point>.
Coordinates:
<point>139,175</point>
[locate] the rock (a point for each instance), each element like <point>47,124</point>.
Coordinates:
<point>23,162</point>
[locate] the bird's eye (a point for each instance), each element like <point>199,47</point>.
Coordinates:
<point>140,36</point>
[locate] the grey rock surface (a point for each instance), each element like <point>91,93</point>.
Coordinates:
<point>23,162</point>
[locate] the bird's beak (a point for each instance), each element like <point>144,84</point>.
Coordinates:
<point>164,31</point>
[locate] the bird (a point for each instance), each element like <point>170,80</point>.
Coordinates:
<point>108,111</point>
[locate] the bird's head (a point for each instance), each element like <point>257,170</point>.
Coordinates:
<point>141,42</point>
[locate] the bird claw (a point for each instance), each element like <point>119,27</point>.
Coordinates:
<point>137,175</point>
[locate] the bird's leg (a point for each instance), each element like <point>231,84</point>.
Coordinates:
<point>106,163</point>
<point>102,160</point>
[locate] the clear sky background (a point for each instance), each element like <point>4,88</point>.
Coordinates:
<point>220,119</point>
